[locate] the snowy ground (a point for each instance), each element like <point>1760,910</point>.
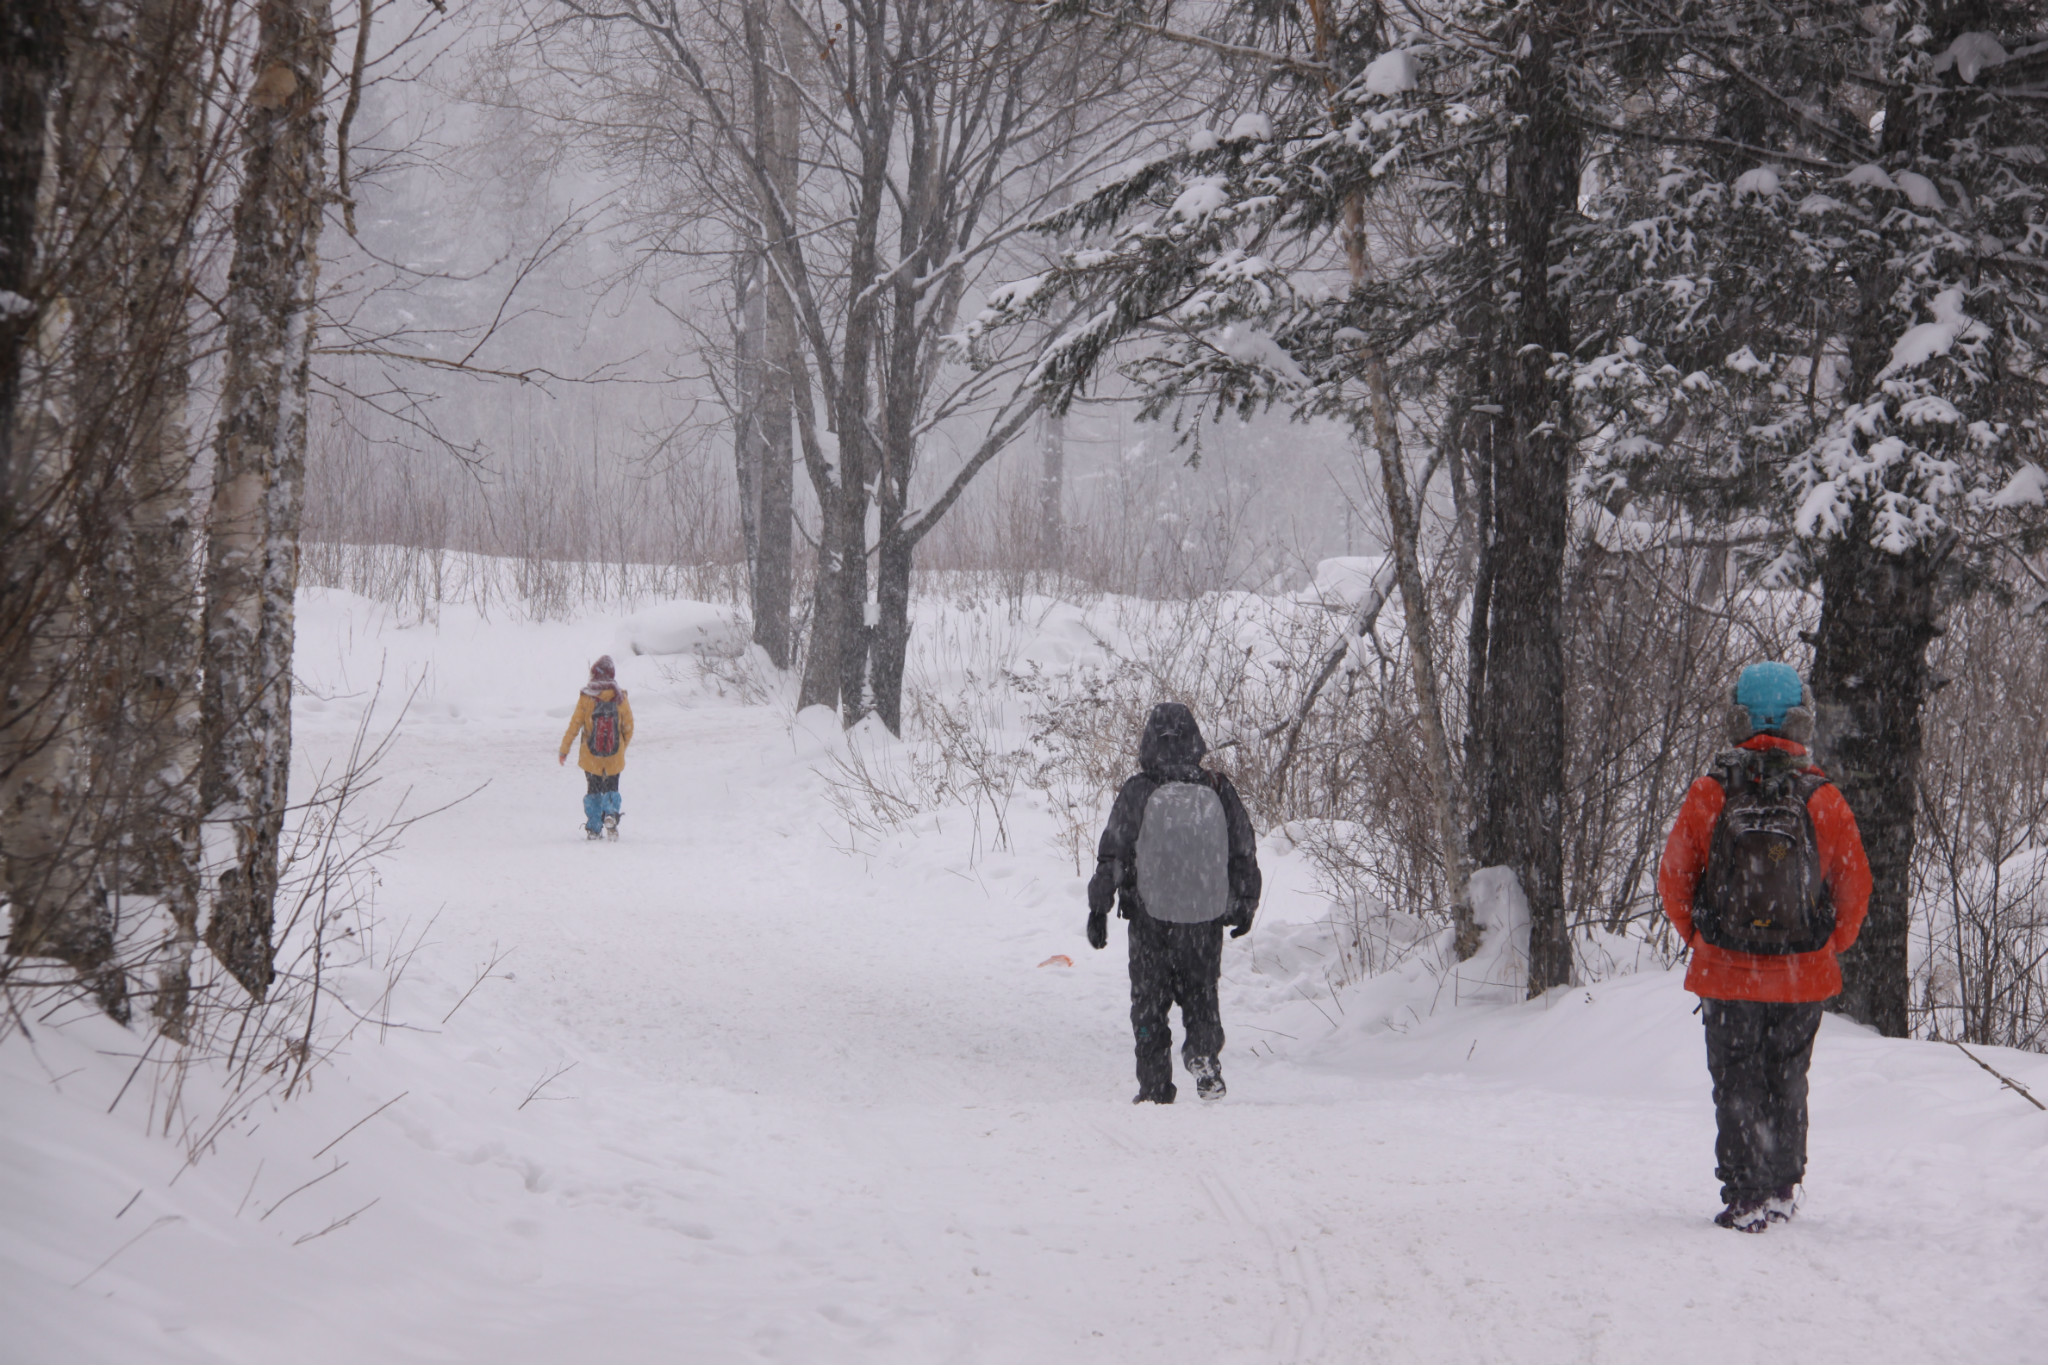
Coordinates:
<point>825,1104</point>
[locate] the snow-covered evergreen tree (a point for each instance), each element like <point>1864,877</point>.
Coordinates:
<point>1812,290</point>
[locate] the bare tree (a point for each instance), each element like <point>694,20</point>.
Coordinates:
<point>929,138</point>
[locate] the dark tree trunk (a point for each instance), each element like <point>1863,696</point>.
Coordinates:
<point>1869,681</point>
<point>1052,480</point>
<point>775,543</point>
<point>749,322</point>
<point>1522,726</point>
<point>32,41</point>
<point>835,666</point>
<point>775,109</point>
<point>891,645</point>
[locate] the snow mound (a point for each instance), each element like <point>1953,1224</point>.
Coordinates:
<point>1345,583</point>
<point>1919,190</point>
<point>817,733</point>
<point>1971,55</point>
<point>1927,340</point>
<point>2028,488</point>
<point>1255,126</point>
<point>1499,971</point>
<point>1203,196</point>
<point>1390,73</point>
<point>1762,182</point>
<point>700,628</point>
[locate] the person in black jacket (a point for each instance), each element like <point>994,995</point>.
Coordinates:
<point>1181,861</point>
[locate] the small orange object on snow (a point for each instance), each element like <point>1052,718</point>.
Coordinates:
<point>1058,960</point>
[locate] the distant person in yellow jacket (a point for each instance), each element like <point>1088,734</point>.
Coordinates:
<point>604,722</point>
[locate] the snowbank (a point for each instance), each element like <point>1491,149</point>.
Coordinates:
<point>699,628</point>
<point>1348,582</point>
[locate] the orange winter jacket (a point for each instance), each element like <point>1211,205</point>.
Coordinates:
<point>1720,974</point>
<point>603,765</point>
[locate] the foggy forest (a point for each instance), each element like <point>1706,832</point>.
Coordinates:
<point>1419,481</point>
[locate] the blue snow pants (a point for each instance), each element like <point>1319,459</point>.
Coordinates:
<point>600,800</point>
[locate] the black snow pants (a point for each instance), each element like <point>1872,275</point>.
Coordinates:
<point>1173,964</point>
<point>1757,1053</point>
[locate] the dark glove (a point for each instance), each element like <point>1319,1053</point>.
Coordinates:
<point>1098,929</point>
<point>1241,922</point>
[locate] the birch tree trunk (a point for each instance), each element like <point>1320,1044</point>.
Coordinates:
<point>253,523</point>
<point>154,746</point>
<point>64,488</point>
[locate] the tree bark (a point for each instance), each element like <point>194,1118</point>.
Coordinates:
<point>1869,683</point>
<point>1407,533</point>
<point>749,322</point>
<point>1052,479</point>
<point>775,110</point>
<point>153,756</point>
<point>64,495</point>
<point>32,46</point>
<point>1522,726</point>
<point>253,523</point>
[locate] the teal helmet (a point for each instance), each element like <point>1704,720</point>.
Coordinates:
<point>1769,698</point>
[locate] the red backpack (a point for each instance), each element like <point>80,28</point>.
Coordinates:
<point>604,727</point>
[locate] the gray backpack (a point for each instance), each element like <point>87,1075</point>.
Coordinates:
<point>1183,863</point>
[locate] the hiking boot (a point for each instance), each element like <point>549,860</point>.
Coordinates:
<point>1208,1074</point>
<point>1745,1215</point>
<point>611,827</point>
<point>1782,1204</point>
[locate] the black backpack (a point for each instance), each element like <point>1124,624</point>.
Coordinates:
<point>604,728</point>
<point>1764,891</point>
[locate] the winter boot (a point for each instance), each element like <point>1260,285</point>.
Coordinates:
<point>1745,1215</point>
<point>611,826</point>
<point>1208,1074</point>
<point>1782,1204</point>
<point>591,836</point>
<point>1154,1096</point>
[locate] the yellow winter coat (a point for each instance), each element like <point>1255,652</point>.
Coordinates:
<point>609,765</point>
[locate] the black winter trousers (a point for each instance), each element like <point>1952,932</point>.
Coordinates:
<point>1758,1053</point>
<point>1173,964</point>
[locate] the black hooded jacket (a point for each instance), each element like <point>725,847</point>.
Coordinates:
<point>1171,751</point>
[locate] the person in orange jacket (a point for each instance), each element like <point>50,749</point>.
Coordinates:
<point>604,721</point>
<point>1765,879</point>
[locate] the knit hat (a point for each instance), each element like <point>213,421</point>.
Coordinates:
<point>602,670</point>
<point>1770,698</point>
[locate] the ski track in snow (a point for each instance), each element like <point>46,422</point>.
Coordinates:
<point>823,1105</point>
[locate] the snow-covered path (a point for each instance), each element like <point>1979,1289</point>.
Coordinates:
<point>825,1105</point>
